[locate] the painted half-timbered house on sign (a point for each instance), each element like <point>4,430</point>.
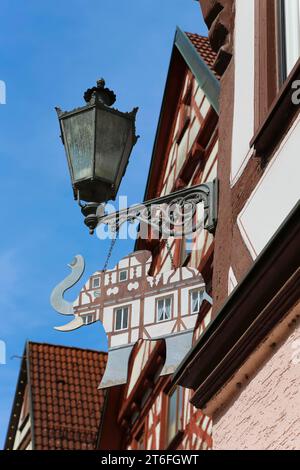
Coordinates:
<point>244,371</point>
<point>133,305</point>
<point>147,412</point>
<point>57,405</point>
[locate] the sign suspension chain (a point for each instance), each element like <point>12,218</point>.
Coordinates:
<point>115,233</point>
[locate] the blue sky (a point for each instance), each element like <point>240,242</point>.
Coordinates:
<point>51,52</point>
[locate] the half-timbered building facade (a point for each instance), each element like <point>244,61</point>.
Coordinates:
<point>148,412</point>
<point>230,115</point>
<point>244,370</point>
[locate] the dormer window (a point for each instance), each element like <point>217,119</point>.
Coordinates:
<point>96,282</point>
<point>123,276</point>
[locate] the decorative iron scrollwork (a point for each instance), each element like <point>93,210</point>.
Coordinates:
<point>174,214</point>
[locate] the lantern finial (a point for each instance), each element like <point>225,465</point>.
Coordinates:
<point>100,94</point>
<point>101,83</point>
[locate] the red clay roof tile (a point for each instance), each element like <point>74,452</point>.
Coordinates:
<point>68,378</point>
<point>203,46</point>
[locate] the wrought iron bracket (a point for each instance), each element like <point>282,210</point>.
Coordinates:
<point>170,207</point>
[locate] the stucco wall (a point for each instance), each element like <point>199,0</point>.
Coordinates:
<point>266,413</point>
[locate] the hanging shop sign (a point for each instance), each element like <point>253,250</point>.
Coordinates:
<point>133,305</point>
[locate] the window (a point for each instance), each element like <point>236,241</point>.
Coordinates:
<point>277,47</point>
<point>96,282</point>
<point>87,319</point>
<point>164,309</point>
<point>277,50</point>
<point>121,319</point>
<point>175,413</point>
<point>196,300</point>
<point>289,26</point>
<point>123,276</point>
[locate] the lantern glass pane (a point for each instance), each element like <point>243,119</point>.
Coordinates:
<point>79,131</point>
<point>112,145</point>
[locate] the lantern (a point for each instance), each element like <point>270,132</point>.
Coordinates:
<point>98,141</point>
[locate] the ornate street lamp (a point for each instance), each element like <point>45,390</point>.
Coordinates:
<point>98,141</point>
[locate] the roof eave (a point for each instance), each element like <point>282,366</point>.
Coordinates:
<point>276,265</point>
<point>206,79</point>
<point>16,410</point>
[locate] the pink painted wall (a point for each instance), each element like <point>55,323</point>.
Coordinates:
<point>266,413</point>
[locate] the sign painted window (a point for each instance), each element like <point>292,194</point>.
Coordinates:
<point>87,319</point>
<point>121,322</point>
<point>123,276</point>
<point>164,309</point>
<point>196,300</point>
<point>96,282</point>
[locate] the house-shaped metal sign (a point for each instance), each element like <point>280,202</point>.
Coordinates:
<point>133,305</point>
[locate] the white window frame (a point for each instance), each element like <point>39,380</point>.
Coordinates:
<point>96,282</point>
<point>200,295</point>
<point>290,24</point>
<point>87,319</point>
<point>122,309</point>
<point>164,300</point>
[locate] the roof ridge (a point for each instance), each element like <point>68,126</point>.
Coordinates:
<point>196,34</point>
<point>66,347</point>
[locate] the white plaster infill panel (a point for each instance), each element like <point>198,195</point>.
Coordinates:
<point>189,321</point>
<point>119,340</point>
<point>21,434</point>
<point>243,119</point>
<point>160,329</point>
<point>274,197</point>
<point>135,313</point>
